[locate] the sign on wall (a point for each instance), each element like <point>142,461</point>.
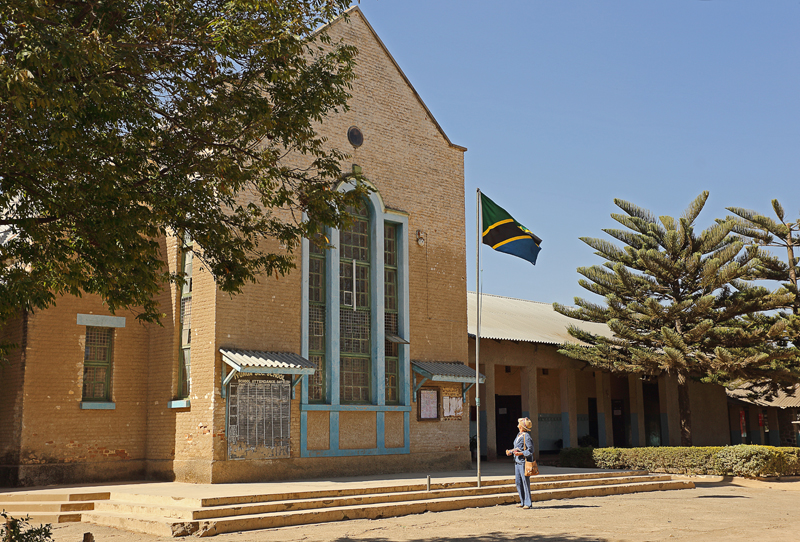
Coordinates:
<point>258,419</point>
<point>429,404</point>
<point>452,403</point>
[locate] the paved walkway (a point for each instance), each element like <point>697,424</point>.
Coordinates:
<point>489,471</point>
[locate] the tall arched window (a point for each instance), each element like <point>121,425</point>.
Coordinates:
<point>355,318</point>
<point>355,309</point>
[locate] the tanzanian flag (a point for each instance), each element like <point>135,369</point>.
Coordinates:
<point>504,234</point>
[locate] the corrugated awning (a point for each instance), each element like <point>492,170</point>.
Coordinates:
<point>253,361</point>
<point>444,371</point>
<point>258,362</point>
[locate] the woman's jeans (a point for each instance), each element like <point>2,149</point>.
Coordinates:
<point>523,484</point>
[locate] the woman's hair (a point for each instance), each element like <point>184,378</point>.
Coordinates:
<point>526,423</point>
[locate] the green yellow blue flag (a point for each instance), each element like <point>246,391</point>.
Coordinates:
<point>504,234</point>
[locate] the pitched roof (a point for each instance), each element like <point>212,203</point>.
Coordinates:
<point>509,319</point>
<point>355,10</point>
<point>781,400</point>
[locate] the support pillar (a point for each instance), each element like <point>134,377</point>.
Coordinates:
<point>672,409</point>
<point>605,432</point>
<point>774,431</point>
<point>756,431</point>
<point>637,410</point>
<point>569,408</point>
<point>491,423</point>
<point>530,402</point>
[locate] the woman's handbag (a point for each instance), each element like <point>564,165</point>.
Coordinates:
<point>531,467</point>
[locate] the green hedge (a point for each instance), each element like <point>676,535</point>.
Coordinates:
<point>577,457</point>
<point>742,460</point>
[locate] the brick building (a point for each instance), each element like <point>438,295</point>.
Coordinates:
<point>571,403</point>
<point>316,373</point>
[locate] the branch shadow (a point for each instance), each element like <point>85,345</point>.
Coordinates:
<point>493,537</point>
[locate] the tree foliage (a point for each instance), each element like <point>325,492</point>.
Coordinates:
<point>765,231</point>
<point>125,121</point>
<point>683,303</point>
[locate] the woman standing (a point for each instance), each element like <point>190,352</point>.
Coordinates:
<point>523,450</point>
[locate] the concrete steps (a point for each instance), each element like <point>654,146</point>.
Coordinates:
<point>50,507</point>
<point>166,516</point>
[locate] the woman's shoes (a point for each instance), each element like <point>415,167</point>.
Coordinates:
<point>526,507</point>
<point>519,506</point>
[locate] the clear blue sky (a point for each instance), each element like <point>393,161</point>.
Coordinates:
<point>565,105</point>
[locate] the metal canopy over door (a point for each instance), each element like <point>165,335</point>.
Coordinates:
<point>258,419</point>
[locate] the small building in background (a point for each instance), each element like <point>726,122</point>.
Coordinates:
<point>569,402</point>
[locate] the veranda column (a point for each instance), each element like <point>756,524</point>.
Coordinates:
<point>602,382</point>
<point>569,408</point>
<point>670,406</point>
<point>637,410</point>
<point>530,402</point>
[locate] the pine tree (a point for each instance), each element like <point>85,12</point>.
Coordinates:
<point>683,304</point>
<point>766,232</point>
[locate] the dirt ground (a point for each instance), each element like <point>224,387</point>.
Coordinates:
<point>729,511</point>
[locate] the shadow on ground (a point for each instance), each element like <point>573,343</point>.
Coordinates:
<point>492,537</point>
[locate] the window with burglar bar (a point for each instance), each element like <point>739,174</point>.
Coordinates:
<point>369,345</point>
<point>355,334</point>
<point>316,322</point>
<point>97,359</point>
<point>390,311</point>
<point>185,362</point>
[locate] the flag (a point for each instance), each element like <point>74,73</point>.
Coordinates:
<point>504,234</point>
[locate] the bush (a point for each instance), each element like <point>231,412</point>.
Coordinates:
<point>19,530</point>
<point>576,457</point>
<point>741,460</point>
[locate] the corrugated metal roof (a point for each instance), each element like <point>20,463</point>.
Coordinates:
<point>452,371</point>
<point>284,361</point>
<point>781,400</point>
<point>506,318</point>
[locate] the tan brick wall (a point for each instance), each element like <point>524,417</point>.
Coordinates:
<point>163,369</point>
<point>55,429</point>
<point>408,160</point>
<point>11,403</point>
<point>415,170</point>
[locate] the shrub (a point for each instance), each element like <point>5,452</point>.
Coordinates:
<point>19,530</point>
<point>742,460</point>
<point>576,457</point>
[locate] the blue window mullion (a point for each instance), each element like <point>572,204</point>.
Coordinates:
<point>332,355</point>
<point>304,327</point>
<point>403,320</point>
<point>378,303</point>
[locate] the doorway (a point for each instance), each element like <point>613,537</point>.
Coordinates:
<point>652,414</point>
<point>618,423</point>
<point>508,409</point>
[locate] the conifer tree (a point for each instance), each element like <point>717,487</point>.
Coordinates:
<point>767,232</point>
<point>684,304</point>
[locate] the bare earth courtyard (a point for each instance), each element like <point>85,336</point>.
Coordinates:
<point>735,510</point>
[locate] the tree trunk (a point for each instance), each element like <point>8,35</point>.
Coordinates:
<point>792,273</point>
<point>685,410</point>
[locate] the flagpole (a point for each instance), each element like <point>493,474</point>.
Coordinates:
<point>478,338</point>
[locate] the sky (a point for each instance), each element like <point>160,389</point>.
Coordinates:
<point>566,105</point>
